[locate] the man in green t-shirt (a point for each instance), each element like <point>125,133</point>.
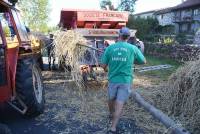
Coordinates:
<point>120,58</point>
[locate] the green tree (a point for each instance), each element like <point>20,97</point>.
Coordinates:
<point>127,5</point>
<point>35,14</point>
<point>145,27</point>
<point>104,4</point>
<point>124,5</point>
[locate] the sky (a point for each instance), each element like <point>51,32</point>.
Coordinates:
<point>141,6</point>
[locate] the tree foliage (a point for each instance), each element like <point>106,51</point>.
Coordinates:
<point>106,4</point>
<point>144,27</point>
<point>124,5</point>
<point>35,14</point>
<point>127,5</point>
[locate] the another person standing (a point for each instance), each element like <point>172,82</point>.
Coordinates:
<point>120,58</point>
<point>50,53</point>
<point>135,41</point>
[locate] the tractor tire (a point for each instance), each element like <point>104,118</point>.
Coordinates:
<point>40,63</point>
<point>4,129</point>
<point>29,86</point>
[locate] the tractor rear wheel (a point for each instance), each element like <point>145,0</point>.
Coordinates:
<point>29,86</point>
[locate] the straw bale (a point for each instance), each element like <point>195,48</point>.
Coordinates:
<point>180,96</point>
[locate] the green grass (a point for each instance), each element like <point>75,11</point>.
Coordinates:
<point>157,76</point>
<point>151,61</point>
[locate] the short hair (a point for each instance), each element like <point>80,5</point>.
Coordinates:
<point>124,37</point>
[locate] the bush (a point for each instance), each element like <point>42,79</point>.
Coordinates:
<point>152,38</point>
<point>145,27</point>
<point>168,29</point>
<point>181,38</point>
<point>168,41</point>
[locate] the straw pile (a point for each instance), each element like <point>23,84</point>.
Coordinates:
<point>185,95</point>
<point>180,96</point>
<point>69,46</point>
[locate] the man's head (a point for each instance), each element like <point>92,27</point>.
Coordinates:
<point>124,33</point>
<point>51,36</point>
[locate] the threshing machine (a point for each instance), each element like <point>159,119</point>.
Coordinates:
<point>99,27</point>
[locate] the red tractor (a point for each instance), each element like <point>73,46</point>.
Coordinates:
<point>20,77</point>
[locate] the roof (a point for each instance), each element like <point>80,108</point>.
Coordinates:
<point>163,11</point>
<point>187,4</point>
<point>147,12</point>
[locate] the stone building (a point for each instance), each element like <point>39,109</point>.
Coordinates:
<point>187,16</point>
<point>165,16</point>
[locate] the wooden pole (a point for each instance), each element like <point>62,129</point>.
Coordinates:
<point>159,115</point>
<point>93,48</point>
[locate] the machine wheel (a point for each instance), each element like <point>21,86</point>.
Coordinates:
<point>4,129</point>
<point>29,86</point>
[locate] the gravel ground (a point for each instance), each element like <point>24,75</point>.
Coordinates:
<point>70,110</point>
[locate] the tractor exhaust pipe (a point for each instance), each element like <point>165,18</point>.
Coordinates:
<point>159,115</point>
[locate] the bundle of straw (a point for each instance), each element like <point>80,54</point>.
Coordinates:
<point>180,97</point>
<point>69,45</point>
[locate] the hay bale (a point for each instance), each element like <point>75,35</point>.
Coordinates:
<point>180,96</point>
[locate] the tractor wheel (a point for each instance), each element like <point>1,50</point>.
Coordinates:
<point>40,63</point>
<point>4,129</point>
<point>29,86</point>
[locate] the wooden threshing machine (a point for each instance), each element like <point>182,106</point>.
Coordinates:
<point>99,27</point>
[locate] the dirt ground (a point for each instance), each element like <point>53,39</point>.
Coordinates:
<point>70,110</point>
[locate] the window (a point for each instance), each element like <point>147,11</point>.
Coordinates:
<point>8,29</point>
<point>196,12</point>
<point>20,26</point>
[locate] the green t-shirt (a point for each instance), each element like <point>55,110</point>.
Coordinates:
<point>120,58</point>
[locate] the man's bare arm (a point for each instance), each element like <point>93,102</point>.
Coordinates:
<point>144,62</point>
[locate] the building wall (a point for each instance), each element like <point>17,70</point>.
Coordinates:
<point>187,20</point>
<point>165,19</point>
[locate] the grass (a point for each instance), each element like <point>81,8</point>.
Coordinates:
<point>158,76</point>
